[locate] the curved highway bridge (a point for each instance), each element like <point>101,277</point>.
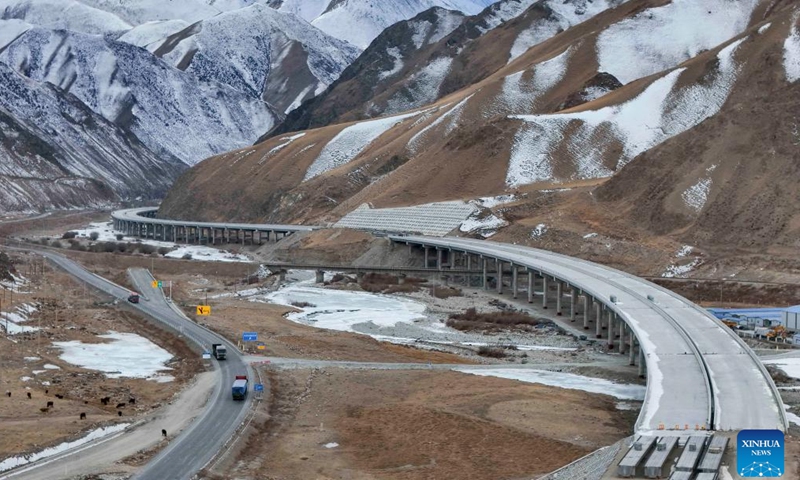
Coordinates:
<point>700,374</point>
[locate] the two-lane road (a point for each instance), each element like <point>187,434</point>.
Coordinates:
<point>197,445</point>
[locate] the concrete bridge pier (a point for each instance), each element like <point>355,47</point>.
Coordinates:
<point>499,266</point>
<point>586,304</point>
<point>427,249</point>
<point>439,253</point>
<point>598,319</point>
<point>530,285</point>
<point>622,327</point>
<point>632,348</point>
<point>572,297</point>
<point>282,275</point>
<point>320,276</point>
<point>485,276</point>
<point>641,362</point>
<point>544,291</point>
<point>513,281</point>
<point>611,329</point>
<point>559,288</point>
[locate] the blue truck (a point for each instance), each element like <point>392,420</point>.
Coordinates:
<point>240,387</point>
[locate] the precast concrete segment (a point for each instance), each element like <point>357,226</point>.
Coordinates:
<point>688,352</point>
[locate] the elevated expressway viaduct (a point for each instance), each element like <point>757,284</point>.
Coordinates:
<point>700,374</point>
<point>141,222</point>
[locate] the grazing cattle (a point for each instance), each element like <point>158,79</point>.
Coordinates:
<point>49,404</point>
<point>163,433</point>
<point>60,397</point>
<point>105,400</point>
<point>44,409</point>
<point>119,413</point>
<point>8,393</point>
<point>83,415</point>
<point>86,402</point>
<point>132,401</point>
<point>45,391</point>
<point>29,395</point>
<point>120,405</point>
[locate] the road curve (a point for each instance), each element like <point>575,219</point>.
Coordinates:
<point>139,215</point>
<point>695,364</point>
<point>197,445</point>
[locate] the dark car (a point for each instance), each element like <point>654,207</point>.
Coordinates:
<point>133,298</point>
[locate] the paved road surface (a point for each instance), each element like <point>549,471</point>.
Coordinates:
<point>136,215</point>
<point>687,349</point>
<point>198,444</point>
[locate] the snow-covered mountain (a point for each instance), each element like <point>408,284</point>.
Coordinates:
<point>361,21</point>
<point>674,107</point>
<point>172,112</point>
<point>268,54</point>
<point>57,153</point>
<point>418,61</point>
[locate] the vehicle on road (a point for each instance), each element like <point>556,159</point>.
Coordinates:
<point>133,297</point>
<point>240,387</point>
<point>219,351</point>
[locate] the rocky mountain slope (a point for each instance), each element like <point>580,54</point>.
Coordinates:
<point>416,62</point>
<point>58,153</point>
<point>603,131</point>
<point>181,80</point>
<point>360,21</point>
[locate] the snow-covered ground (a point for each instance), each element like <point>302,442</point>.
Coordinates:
<point>659,112</point>
<point>18,461</point>
<point>789,366</point>
<point>390,318</point>
<point>127,355</point>
<point>661,38</point>
<point>791,53</point>
<point>350,142</point>
<point>106,233</point>
<point>10,321</point>
<point>564,380</point>
<point>16,284</point>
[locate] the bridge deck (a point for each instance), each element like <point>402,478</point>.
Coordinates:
<point>687,349</point>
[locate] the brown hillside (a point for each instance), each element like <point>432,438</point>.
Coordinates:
<point>702,153</point>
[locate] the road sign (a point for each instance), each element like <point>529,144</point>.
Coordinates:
<point>261,347</point>
<point>156,283</point>
<point>249,336</point>
<point>258,387</point>
<point>204,310</point>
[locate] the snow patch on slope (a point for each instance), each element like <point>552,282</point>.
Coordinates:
<point>421,88</point>
<point>455,112</point>
<point>393,52</point>
<point>660,38</point>
<point>503,11</point>
<point>345,146</point>
<point>519,92</point>
<point>360,21</point>
<point>150,35</point>
<point>565,14</point>
<point>655,115</point>
<point>791,53</point>
<point>11,29</point>
<point>63,14</point>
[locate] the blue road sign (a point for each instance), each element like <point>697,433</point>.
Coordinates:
<point>258,387</point>
<point>249,336</point>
